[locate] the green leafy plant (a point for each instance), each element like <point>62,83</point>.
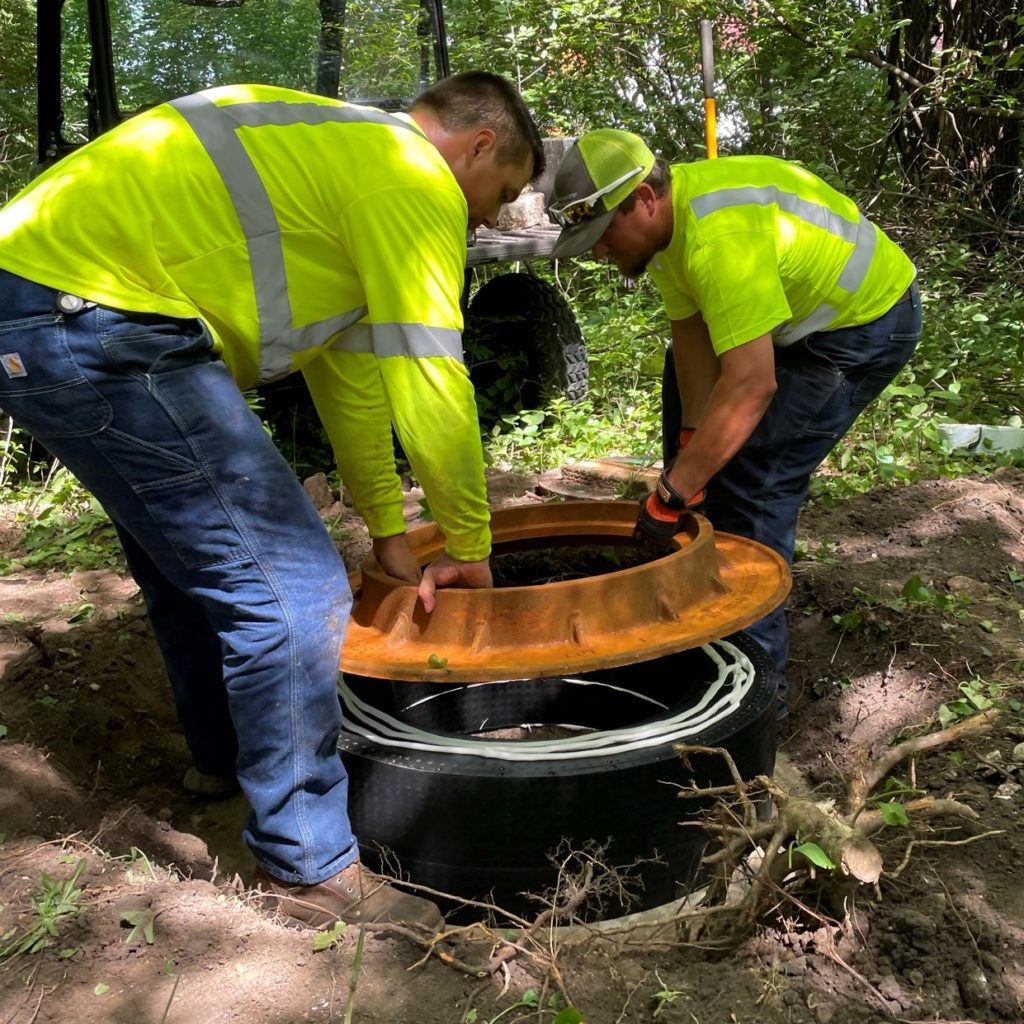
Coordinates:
<point>556,1007</point>
<point>426,513</point>
<point>54,903</point>
<point>977,695</point>
<point>813,852</point>
<point>826,552</point>
<point>914,597</point>
<point>665,996</point>
<point>66,528</point>
<point>893,812</point>
<point>83,613</point>
<point>329,937</point>
<point>142,923</point>
<point>825,686</point>
<point>357,964</point>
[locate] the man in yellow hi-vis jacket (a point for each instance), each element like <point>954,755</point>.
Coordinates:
<point>790,311</point>
<point>220,241</point>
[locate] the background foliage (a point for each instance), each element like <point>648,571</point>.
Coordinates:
<point>912,106</point>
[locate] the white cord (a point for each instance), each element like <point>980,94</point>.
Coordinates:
<point>722,697</point>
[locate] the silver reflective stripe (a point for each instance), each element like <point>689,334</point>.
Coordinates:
<point>414,340</point>
<point>216,128</point>
<point>862,235</point>
<point>358,338</point>
<point>858,264</point>
<point>817,320</point>
<point>279,112</point>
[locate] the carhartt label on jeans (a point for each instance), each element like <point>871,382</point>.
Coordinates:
<point>12,364</point>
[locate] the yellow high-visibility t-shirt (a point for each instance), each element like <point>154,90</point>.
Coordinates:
<point>763,246</point>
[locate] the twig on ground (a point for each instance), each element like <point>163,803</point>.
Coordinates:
<point>170,999</point>
<point>938,842</point>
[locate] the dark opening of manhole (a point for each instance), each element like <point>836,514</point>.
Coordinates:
<point>527,564</point>
<point>479,816</point>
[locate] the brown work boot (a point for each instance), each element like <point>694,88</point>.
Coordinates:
<point>356,895</point>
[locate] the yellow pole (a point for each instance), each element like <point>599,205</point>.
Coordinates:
<point>707,64</point>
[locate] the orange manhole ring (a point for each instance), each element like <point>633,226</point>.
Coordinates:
<point>710,585</point>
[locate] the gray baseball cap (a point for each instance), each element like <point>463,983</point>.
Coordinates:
<point>603,168</point>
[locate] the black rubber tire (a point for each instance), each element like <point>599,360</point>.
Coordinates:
<point>474,826</point>
<point>523,346</point>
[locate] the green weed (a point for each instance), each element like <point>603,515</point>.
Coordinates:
<point>666,996</point>
<point>66,528</point>
<point>915,597</point>
<point>826,552</point>
<point>54,903</point>
<point>826,686</point>
<point>556,1009</point>
<point>977,695</point>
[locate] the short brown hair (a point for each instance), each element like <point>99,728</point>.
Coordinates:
<point>660,180</point>
<point>482,99</point>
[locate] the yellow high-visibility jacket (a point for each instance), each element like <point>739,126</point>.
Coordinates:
<point>763,246</point>
<point>307,234</point>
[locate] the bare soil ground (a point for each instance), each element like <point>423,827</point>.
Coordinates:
<point>92,760</point>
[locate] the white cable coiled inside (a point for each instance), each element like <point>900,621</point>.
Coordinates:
<point>722,697</point>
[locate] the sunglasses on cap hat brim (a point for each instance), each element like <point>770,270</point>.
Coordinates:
<point>579,211</point>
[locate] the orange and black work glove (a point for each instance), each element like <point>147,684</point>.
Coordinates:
<point>663,513</point>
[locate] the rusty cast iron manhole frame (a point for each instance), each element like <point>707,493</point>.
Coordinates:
<point>708,586</point>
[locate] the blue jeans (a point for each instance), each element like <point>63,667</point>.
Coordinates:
<point>246,592</point>
<point>824,383</point>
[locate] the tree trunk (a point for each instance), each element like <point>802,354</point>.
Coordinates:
<point>328,64</point>
<point>951,146</point>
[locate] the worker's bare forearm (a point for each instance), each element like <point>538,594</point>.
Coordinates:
<point>734,407</point>
<point>696,366</point>
<point>723,431</point>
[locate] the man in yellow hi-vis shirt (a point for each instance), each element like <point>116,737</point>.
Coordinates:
<point>789,310</point>
<point>226,239</point>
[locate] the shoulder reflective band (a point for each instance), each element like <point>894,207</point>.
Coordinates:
<point>861,234</point>
<point>216,128</point>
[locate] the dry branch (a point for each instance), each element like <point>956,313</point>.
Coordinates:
<point>868,774</point>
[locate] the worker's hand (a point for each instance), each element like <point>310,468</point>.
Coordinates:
<point>663,513</point>
<point>395,557</point>
<point>685,436</point>
<point>445,571</point>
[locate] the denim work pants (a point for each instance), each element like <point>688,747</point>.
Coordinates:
<point>246,592</point>
<point>824,382</point>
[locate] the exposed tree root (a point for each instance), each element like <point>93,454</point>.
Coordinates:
<point>483,950</point>
<point>792,853</point>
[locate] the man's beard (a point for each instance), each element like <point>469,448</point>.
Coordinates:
<point>636,269</point>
